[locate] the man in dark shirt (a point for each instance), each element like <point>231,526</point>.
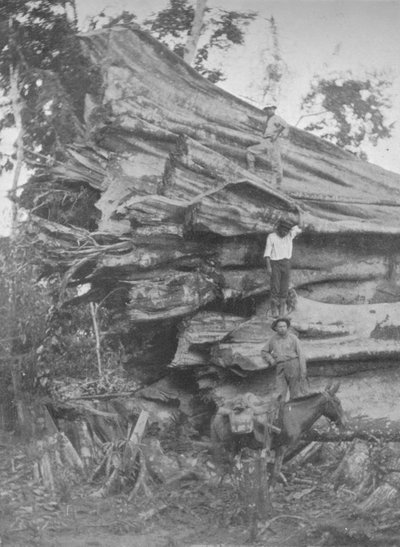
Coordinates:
<point>284,350</point>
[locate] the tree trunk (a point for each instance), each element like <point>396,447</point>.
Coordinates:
<point>24,427</point>
<point>254,490</point>
<point>355,471</point>
<point>384,495</point>
<point>166,297</point>
<point>75,13</point>
<point>176,201</point>
<point>337,340</point>
<point>273,74</point>
<point>194,36</point>
<point>368,429</point>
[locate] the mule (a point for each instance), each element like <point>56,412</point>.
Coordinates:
<point>297,416</point>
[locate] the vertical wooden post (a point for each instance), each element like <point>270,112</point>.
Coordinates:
<point>93,312</point>
<point>255,491</point>
<point>264,505</point>
<point>249,494</point>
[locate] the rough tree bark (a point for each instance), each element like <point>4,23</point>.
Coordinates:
<point>182,222</point>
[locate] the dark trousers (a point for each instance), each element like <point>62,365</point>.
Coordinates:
<point>280,274</point>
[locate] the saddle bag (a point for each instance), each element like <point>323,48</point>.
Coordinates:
<point>241,420</point>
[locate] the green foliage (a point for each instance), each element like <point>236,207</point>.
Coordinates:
<point>40,42</point>
<point>48,341</point>
<point>221,29</point>
<point>350,111</point>
<point>23,302</point>
<point>68,348</point>
<point>174,21</point>
<point>30,298</point>
<point>101,20</point>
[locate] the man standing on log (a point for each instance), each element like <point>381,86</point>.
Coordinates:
<point>278,254</point>
<point>284,350</point>
<point>275,128</point>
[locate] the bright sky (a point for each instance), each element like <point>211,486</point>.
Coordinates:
<point>316,37</point>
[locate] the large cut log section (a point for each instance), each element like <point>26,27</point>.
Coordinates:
<point>181,225</point>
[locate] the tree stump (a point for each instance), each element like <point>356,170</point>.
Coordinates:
<point>254,489</point>
<point>380,497</point>
<point>386,461</point>
<point>372,472</point>
<point>355,471</point>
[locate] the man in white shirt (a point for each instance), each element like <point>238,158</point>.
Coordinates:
<point>278,254</point>
<point>275,128</point>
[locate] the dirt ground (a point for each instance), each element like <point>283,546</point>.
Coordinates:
<point>307,512</point>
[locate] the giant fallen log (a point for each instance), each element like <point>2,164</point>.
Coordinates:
<point>163,298</point>
<point>198,334</point>
<point>332,335</point>
<point>359,427</point>
<point>222,119</point>
<point>178,224</point>
<point>329,354</point>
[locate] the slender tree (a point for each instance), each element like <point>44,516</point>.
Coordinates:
<point>12,308</point>
<point>195,32</point>
<point>275,67</point>
<point>190,29</point>
<point>198,32</point>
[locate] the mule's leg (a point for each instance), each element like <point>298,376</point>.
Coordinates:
<point>263,494</point>
<point>276,472</point>
<point>223,460</point>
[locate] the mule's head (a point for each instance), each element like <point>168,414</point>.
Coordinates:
<point>333,409</point>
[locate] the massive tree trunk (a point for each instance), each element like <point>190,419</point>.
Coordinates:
<point>181,226</point>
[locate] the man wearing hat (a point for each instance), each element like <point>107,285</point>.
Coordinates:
<point>275,127</point>
<point>284,350</point>
<point>278,254</point>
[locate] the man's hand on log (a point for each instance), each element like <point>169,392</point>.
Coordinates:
<point>305,220</point>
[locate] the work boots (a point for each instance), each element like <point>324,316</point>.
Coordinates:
<point>291,300</point>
